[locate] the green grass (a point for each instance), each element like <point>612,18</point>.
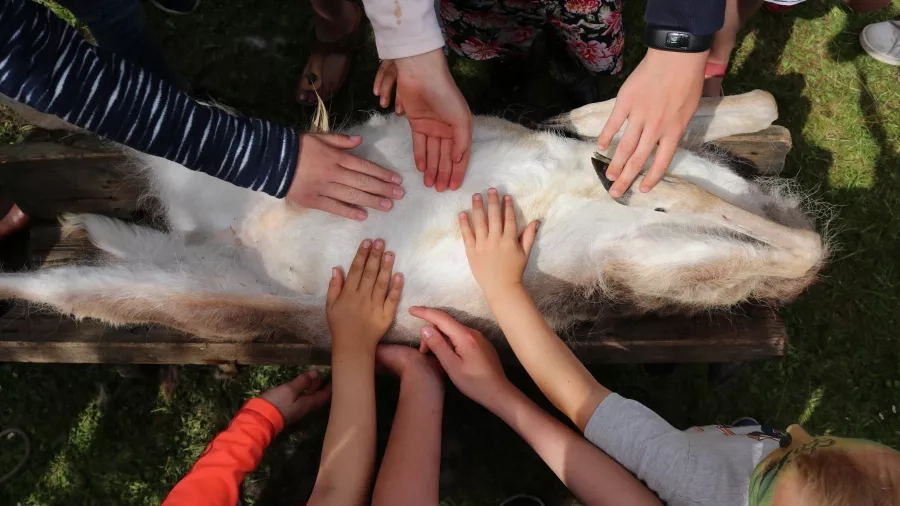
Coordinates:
<point>99,439</point>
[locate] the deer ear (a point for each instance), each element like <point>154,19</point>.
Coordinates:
<point>601,163</point>
<point>715,118</point>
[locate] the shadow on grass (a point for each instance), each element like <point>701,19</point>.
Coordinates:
<point>857,336</point>
<point>840,368</point>
<point>482,461</point>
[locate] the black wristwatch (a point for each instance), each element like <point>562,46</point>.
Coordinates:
<point>673,39</point>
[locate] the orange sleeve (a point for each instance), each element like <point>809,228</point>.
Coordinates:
<point>216,476</point>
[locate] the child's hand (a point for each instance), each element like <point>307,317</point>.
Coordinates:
<point>471,362</point>
<point>385,79</point>
<point>496,255</point>
<point>299,396</point>
<point>408,364</point>
<point>361,308</point>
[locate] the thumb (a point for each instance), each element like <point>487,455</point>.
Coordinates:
<point>436,342</point>
<point>334,286</point>
<point>528,237</point>
<point>299,384</point>
<point>462,138</point>
<point>340,141</point>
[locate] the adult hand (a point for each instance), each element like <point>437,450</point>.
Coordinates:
<point>469,359</point>
<point>330,179</point>
<point>298,397</point>
<point>439,117</point>
<point>361,308</point>
<point>658,99</point>
<point>497,256</point>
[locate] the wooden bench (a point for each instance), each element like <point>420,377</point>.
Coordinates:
<point>54,173</point>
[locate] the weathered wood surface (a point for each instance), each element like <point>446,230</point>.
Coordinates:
<point>42,337</point>
<point>78,173</point>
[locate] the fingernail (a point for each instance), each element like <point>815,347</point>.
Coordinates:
<point>360,215</point>
<point>428,332</point>
<point>385,204</point>
<point>388,257</point>
<point>355,138</point>
<point>644,189</point>
<point>615,194</point>
<point>314,373</point>
<point>398,192</point>
<point>476,197</point>
<point>492,191</point>
<point>334,272</point>
<point>611,177</point>
<point>379,244</point>
<point>367,243</point>
<point>458,159</point>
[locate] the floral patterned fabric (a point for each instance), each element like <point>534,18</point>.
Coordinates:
<point>484,29</point>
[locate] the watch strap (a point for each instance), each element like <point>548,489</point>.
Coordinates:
<point>673,39</point>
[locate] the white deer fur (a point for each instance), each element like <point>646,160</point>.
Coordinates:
<point>236,264</point>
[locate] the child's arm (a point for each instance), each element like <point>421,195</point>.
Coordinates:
<point>498,259</point>
<point>359,310</point>
<point>633,435</point>
<point>216,476</point>
<point>550,363</point>
<point>473,366</point>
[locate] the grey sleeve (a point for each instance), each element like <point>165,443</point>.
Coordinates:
<point>643,442</point>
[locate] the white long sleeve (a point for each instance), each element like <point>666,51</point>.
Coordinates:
<point>404,27</point>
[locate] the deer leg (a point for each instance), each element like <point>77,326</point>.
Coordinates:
<point>706,269</point>
<point>716,118</point>
<point>140,295</point>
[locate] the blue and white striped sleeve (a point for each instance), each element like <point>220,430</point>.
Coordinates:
<point>46,64</point>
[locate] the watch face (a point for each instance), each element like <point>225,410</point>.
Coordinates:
<point>677,40</point>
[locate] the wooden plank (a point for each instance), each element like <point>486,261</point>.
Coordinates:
<point>41,337</point>
<point>765,151</point>
<point>76,174</point>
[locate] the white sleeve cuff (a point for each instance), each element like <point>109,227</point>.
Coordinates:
<point>391,48</point>
<point>404,27</point>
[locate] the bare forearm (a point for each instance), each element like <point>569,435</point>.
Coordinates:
<point>348,453</point>
<point>414,448</point>
<point>594,477</point>
<point>550,363</point>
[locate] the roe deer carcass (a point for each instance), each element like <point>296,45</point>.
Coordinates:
<point>235,264</point>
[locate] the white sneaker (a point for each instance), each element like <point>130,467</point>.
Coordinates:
<point>882,41</point>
